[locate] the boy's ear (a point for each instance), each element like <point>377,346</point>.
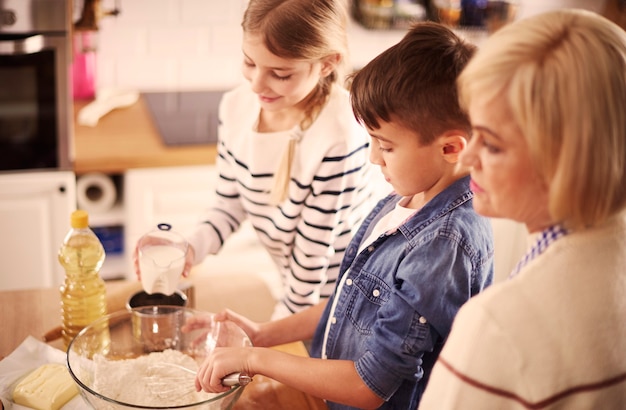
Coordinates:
<point>452,144</point>
<point>329,63</point>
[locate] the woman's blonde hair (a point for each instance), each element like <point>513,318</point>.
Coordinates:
<point>306,30</point>
<point>564,76</point>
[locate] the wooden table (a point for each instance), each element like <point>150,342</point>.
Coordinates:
<point>35,312</point>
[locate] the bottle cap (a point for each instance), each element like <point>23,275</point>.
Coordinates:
<point>79,219</point>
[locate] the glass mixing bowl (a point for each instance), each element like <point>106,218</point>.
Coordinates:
<point>117,361</point>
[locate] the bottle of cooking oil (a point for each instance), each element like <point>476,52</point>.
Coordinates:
<point>83,293</point>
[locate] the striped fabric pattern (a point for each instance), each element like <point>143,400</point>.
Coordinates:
<point>544,239</point>
<point>329,193</point>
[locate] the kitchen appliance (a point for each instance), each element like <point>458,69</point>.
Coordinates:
<point>185,117</point>
<point>35,111</point>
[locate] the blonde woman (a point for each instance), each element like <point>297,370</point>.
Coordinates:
<point>546,98</point>
<point>291,157</point>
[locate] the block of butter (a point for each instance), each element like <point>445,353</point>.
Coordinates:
<point>48,387</point>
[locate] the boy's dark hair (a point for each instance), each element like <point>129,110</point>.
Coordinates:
<point>414,83</point>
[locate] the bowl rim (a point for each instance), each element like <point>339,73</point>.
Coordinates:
<point>128,312</point>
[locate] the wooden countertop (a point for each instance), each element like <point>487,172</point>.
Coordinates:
<point>35,311</point>
<point>127,138</point>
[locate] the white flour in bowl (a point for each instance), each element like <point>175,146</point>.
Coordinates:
<point>143,381</point>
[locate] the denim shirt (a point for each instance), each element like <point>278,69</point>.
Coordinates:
<point>402,292</point>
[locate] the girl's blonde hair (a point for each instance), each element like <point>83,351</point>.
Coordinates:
<point>564,76</point>
<point>306,30</point>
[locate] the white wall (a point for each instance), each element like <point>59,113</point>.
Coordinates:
<point>531,7</point>
<point>156,45</point>
<point>170,44</point>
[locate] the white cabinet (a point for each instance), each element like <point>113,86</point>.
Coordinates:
<point>35,210</point>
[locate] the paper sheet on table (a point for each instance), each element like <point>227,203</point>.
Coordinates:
<point>31,354</point>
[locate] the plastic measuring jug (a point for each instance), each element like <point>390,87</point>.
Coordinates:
<point>162,253</point>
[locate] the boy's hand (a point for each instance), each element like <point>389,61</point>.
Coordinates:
<point>251,328</point>
<point>219,364</point>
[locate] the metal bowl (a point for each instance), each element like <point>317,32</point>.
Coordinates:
<point>106,359</point>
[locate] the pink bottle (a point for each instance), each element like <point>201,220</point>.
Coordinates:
<point>84,65</point>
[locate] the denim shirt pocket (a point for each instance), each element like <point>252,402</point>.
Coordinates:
<point>418,340</point>
<point>369,293</point>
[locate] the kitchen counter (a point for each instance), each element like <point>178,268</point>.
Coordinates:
<point>127,138</point>
<point>34,312</point>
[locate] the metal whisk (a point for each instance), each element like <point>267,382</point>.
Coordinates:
<point>166,378</point>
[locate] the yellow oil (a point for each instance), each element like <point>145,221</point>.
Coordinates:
<point>83,294</point>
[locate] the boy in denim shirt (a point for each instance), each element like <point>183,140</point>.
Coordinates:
<point>419,255</point>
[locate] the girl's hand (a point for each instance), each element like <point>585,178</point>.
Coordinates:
<point>136,262</point>
<point>189,258</point>
<point>219,364</point>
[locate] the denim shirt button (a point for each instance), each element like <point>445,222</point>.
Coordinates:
<point>376,293</point>
<point>422,319</point>
<point>333,320</point>
<point>370,249</point>
<point>349,282</point>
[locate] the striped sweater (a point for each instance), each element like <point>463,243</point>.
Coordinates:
<point>329,193</point>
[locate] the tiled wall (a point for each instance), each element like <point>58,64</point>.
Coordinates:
<point>156,45</point>
<point>170,44</point>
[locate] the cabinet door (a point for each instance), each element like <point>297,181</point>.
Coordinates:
<point>35,210</point>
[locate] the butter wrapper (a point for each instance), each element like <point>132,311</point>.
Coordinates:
<point>29,356</point>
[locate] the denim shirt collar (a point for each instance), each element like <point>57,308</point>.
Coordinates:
<point>450,198</point>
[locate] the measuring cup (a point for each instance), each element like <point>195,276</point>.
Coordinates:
<point>162,254</point>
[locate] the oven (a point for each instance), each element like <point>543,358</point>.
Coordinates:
<point>35,103</point>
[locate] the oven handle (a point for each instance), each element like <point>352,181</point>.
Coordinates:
<point>28,45</point>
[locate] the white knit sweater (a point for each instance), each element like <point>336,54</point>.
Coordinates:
<point>553,337</point>
<point>329,193</point>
